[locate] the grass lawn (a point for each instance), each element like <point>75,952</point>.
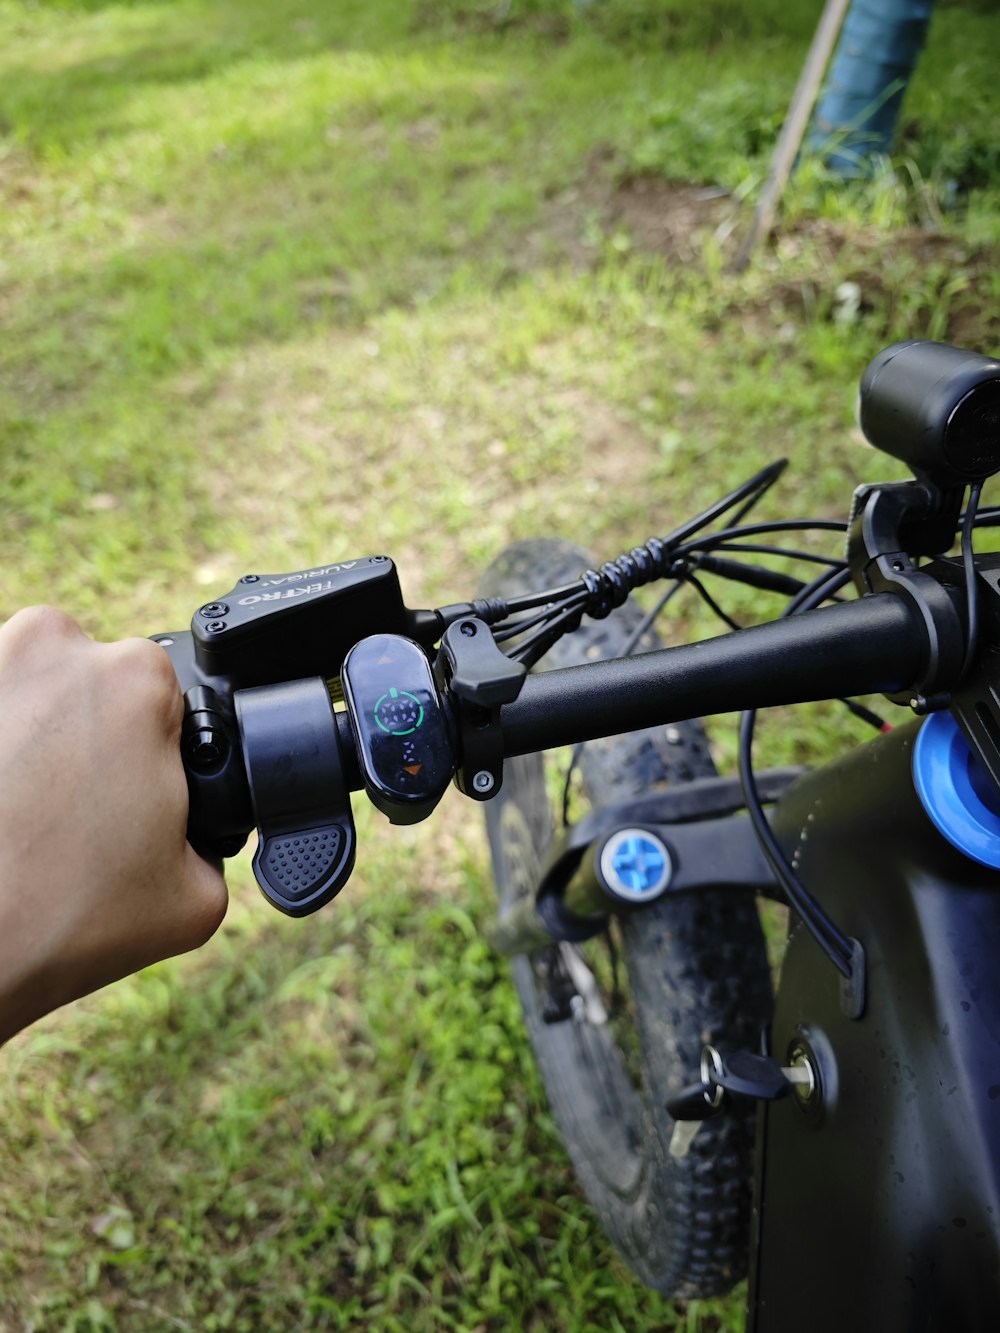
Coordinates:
<point>282,285</point>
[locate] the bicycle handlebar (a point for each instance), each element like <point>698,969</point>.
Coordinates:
<point>263,745</point>
<point>876,644</point>
<point>403,736</point>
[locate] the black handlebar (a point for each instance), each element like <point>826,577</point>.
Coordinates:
<point>877,644</point>
<point>280,758</point>
<point>263,747</point>
<point>262,770</point>
<point>402,736</point>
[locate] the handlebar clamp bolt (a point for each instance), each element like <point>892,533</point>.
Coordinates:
<point>214,610</point>
<point>250,578</point>
<point>483,781</point>
<point>206,750</point>
<point>215,626</point>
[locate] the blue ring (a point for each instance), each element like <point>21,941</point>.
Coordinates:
<point>950,788</point>
<point>636,865</point>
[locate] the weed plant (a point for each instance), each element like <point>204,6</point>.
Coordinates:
<point>288,284</point>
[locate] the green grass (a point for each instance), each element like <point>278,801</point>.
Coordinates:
<point>287,284</point>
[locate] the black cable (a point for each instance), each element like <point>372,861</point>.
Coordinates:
<point>754,499</point>
<point>824,930</point>
<point>971,586</point>
<point>646,623</point>
<point>711,603</point>
<point>562,606</point>
<point>864,714</point>
<point>745,495</point>
<point>827,584</point>
<point>511,629</point>
<point>755,487</point>
<point>724,535</point>
<point>750,575</point>
<point>612,584</point>
<point>529,600</point>
<point>758,548</point>
<point>536,645</point>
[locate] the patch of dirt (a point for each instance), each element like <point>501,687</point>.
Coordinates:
<point>909,282</point>
<point>16,176</point>
<point>672,218</point>
<point>658,216</point>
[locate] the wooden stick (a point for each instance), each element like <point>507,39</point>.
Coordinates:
<point>794,127</point>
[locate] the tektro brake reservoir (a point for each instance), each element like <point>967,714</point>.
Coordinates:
<point>956,791</point>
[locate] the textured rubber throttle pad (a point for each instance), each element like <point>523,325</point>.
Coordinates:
<point>299,866</point>
<point>300,797</point>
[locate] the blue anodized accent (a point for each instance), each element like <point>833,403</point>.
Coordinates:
<point>955,790</point>
<point>635,864</point>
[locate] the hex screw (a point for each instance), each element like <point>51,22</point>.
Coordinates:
<point>468,629</point>
<point>483,781</point>
<point>215,626</point>
<point>250,578</point>
<point>205,750</point>
<point>214,610</point>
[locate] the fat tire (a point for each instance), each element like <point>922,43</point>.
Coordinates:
<point>697,972</point>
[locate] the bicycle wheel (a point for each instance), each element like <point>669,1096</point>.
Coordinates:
<point>696,971</point>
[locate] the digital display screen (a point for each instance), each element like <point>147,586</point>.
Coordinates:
<point>404,749</point>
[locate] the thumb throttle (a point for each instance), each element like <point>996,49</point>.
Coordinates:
<point>300,796</point>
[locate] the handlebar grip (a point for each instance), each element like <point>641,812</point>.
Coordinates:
<point>877,644</point>
<point>301,804</point>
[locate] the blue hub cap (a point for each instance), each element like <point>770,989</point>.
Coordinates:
<point>635,865</point>
<point>956,791</point>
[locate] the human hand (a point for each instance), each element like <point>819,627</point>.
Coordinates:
<point>97,878</point>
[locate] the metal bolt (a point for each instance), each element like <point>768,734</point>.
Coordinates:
<point>379,559</point>
<point>213,610</point>
<point>468,629</point>
<point>205,749</point>
<point>250,578</point>
<point>483,781</point>
<point>215,626</point>
<point>807,1091</point>
<point>164,641</point>
<point>711,1076</point>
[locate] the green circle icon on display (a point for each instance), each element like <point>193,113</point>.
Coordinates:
<point>398,712</point>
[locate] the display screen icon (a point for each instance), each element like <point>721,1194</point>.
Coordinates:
<point>398,712</point>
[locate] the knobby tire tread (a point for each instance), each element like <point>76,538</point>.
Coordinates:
<point>697,971</point>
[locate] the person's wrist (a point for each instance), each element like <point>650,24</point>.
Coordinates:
<point>26,993</point>
<point>30,983</point>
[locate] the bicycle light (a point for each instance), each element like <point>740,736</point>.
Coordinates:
<point>936,408</point>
